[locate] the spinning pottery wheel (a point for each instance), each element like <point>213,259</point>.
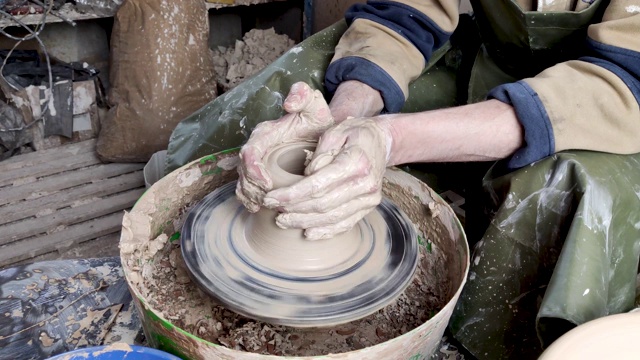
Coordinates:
<point>261,271</point>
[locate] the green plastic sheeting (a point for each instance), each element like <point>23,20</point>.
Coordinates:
<point>562,247</point>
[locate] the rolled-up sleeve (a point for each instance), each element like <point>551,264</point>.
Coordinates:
<point>591,103</point>
<point>388,44</point>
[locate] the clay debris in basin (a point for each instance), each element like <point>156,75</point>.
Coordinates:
<point>171,292</point>
<point>156,270</point>
<point>257,49</point>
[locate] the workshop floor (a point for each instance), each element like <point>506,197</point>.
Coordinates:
<point>63,203</point>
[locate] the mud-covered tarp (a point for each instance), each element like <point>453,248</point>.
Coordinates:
<point>52,307</point>
<point>562,248</point>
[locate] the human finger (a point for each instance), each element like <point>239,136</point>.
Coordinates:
<point>327,232</point>
<point>346,140</point>
<point>348,166</point>
<point>316,185</point>
<point>299,97</point>
<point>335,216</point>
<point>330,144</point>
<point>253,168</point>
<point>248,193</point>
<point>252,206</point>
<point>330,200</point>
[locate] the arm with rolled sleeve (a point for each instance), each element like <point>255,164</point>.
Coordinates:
<point>388,44</point>
<point>591,103</point>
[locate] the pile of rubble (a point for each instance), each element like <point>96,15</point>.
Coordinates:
<point>257,49</point>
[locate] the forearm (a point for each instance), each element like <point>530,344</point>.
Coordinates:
<point>484,131</point>
<point>355,99</point>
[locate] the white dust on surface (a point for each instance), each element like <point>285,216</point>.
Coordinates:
<point>632,9</point>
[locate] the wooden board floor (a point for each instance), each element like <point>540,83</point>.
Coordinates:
<point>63,203</point>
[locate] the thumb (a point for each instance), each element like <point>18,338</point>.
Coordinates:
<point>299,98</point>
<point>319,161</point>
<point>329,146</point>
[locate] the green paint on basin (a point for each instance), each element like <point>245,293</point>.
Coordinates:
<point>175,236</point>
<point>157,319</point>
<point>235,149</point>
<point>206,159</point>
<point>166,344</point>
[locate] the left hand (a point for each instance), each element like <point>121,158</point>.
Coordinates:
<point>343,182</point>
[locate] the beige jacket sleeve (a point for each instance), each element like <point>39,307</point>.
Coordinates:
<point>388,44</point>
<point>590,103</point>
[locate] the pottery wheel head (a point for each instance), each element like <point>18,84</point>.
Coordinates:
<point>263,272</point>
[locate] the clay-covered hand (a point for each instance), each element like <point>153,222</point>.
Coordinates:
<point>308,116</point>
<point>343,182</point>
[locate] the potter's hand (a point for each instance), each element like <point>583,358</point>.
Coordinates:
<point>308,117</point>
<point>343,182</point>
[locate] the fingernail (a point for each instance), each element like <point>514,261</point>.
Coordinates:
<point>314,235</point>
<point>281,222</point>
<point>270,202</point>
<point>293,100</point>
<point>319,162</point>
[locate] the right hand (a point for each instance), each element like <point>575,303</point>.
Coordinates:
<point>342,183</point>
<point>308,116</point>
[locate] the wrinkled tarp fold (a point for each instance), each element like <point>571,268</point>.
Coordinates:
<point>562,248</point>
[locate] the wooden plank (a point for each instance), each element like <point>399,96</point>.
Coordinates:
<point>24,229</point>
<point>37,246</point>
<point>219,4</point>
<point>104,246</point>
<point>62,199</point>
<point>44,156</point>
<point>55,166</point>
<point>58,182</point>
<point>67,10</point>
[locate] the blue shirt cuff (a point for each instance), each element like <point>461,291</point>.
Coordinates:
<point>365,71</point>
<point>538,132</point>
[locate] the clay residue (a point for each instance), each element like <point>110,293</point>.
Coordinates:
<point>429,219</point>
<point>113,347</point>
<point>181,302</point>
<point>46,340</point>
<point>165,286</point>
<point>163,208</point>
<point>257,49</point>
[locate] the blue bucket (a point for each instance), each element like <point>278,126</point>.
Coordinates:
<point>116,353</point>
